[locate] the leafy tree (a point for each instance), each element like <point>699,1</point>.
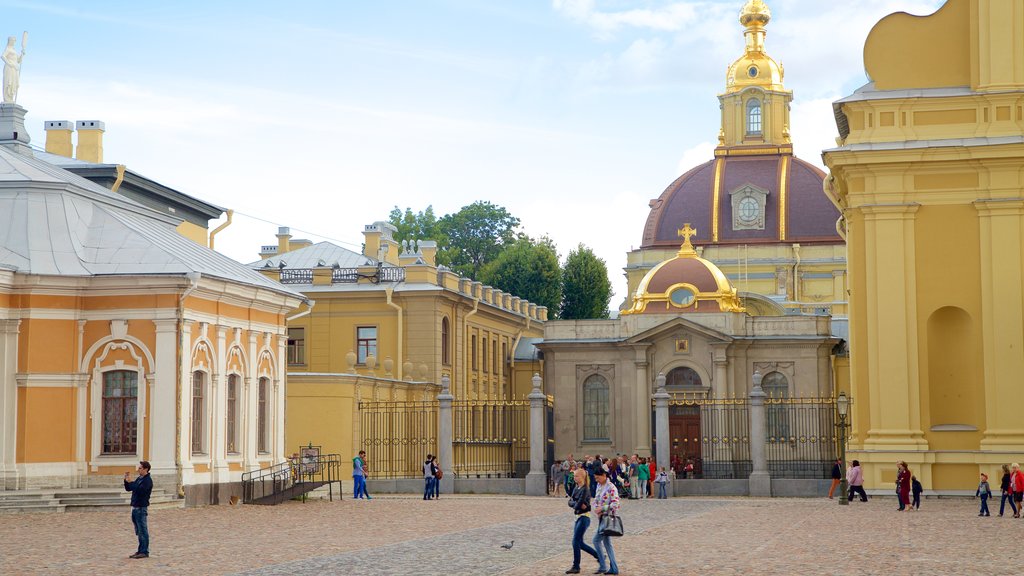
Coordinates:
<point>411,225</point>
<point>528,269</point>
<point>474,236</point>
<point>586,288</point>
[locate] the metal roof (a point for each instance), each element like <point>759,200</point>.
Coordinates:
<point>55,223</point>
<point>319,254</point>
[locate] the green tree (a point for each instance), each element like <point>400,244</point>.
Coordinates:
<point>411,225</point>
<point>528,269</point>
<point>586,288</point>
<point>474,236</point>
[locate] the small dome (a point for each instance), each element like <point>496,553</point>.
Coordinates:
<point>755,13</point>
<point>684,284</point>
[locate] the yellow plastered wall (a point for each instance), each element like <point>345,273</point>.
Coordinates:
<point>198,234</point>
<point>46,425</point>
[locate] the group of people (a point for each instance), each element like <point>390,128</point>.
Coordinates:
<point>431,478</point>
<point>593,501</point>
<point>632,476</point>
<point>1011,487</point>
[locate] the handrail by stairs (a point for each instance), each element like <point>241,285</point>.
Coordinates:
<point>289,479</point>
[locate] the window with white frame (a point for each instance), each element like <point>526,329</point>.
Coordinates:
<point>596,408</point>
<point>231,436</point>
<point>262,417</point>
<point>120,411</point>
<point>754,116</point>
<point>198,410</point>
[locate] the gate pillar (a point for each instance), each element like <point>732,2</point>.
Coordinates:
<point>445,453</point>
<point>537,478</point>
<point>661,430</point>
<point>760,479</point>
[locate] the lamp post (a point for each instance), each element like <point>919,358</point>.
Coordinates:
<point>843,408</point>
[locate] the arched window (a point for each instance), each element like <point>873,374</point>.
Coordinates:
<point>683,376</point>
<point>753,116</point>
<point>262,431</point>
<point>232,431</point>
<point>596,408</point>
<point>198,410</point>
<point>120,411</point>
<point>776,386</point>
<point>445,330</point>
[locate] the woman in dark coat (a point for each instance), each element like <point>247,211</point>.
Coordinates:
<point>903,485</point>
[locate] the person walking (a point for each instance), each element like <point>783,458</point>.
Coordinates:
<point>1017,485</point>
<point>855,477</point>
<point>1007,493</point>
<point>359,476</point>
<point>652,471</point>
<point>579,501</point>
<point>837,475</point>
<point>643,475</point>
<point>428,477</point>
<point>634,472</point>
<point>984,492</point>
<point>903,485</point>
<point>662,482</point>
<point>140,488</point>
<point>606,503</point>
<point>916,489</point>
<point>554,478</point>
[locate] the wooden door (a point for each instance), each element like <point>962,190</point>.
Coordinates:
<point>684,429</point>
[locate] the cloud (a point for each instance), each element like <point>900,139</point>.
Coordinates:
<point>696,156</point>
<point>670,18</point>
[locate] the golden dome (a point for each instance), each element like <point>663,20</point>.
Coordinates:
<point>755,67</point>
<point>755,13</point>
<point>686,283</point>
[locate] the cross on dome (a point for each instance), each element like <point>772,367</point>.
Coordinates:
<point>687,232</point>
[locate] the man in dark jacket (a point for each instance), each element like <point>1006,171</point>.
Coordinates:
<point>140,488</point>
<point>837,476</point>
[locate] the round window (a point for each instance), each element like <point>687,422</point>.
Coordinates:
<point>748,209</point>
<point>682,297</point>
<point>752,71</point>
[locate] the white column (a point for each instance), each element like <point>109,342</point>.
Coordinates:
<point>642,405</point>
<point>163,398</point>
<point>251,404</point>
<point>8,402</point>
<point>185,408</point>
<point>278,399</point>
<point>218,411</point>
<point>537,478</point>
<point>81,396</point>
<point>445,452</point>
<point>661,399</point>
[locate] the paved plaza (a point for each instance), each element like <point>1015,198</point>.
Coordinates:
<point>463,534</point>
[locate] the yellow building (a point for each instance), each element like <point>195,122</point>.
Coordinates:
<point>121,340</point>
<point>758,209</point>
<point>387,324</point>
<point>929,174</point>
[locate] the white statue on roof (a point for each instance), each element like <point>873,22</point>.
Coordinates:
<point>12,68</point>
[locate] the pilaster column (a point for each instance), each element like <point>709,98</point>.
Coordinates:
<point>537,478</point>
<point>1002,310</point>
<point>642,404</point>
<point>891,346</point>
<point>251,407</point>
<point>661,399</point>
<point>278,406</point>
<point>218,411</point>
<point>445,451</point>
<point>760,479</point>
<point>185,377</point>
<point>163,398</point>
<point>722,385</point>
<point>8,402</point>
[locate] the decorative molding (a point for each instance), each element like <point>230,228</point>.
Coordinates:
<point>744,199</point>
<point>43,380</point>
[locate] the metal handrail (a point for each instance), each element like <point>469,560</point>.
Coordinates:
<point>285,480</point>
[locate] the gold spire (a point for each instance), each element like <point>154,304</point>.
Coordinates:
<point>755,67</point>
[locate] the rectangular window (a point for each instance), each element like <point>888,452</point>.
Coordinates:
<point>473,351</point>
<point>366,343</point>
<point>120,409</point>
<point>198,413</point>
<point>494,356</point>
<point>261,416</point>
<point>484,351</point>
<point>232,431</point>
<point>296,346</point>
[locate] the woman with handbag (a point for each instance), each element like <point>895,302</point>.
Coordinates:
<point>606,505</point>
<point>579,501</point>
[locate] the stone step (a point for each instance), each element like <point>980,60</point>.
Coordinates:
<point>17,496</point>
<point>37,506</point>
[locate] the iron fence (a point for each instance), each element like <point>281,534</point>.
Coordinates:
<point>800,436</point>
<point>491,439</point>
<point>297,276</point>
<point>397,437</point>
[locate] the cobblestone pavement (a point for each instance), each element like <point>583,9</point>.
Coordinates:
<point>463,534</point>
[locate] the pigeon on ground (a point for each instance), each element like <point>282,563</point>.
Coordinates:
<point>509,545</point>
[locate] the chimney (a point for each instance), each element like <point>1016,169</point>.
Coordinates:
<point>284,234</point>
<point>429,250</point>
<point>58,137</point>
<point>90,140</point>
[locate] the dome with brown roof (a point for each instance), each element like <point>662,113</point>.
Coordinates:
<point>686,283</point>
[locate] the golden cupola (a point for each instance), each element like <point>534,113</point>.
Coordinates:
<point>755,67</point>
<point>684,284</point>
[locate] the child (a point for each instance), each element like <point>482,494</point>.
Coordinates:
<point>915,487</point>
<point>662,481</point>
<point>985,493</point>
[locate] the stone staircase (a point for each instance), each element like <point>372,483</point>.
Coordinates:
<point>73,499</point>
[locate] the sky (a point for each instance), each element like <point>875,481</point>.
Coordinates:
<point>323,116</point>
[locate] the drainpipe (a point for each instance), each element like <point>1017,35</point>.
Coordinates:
<point>401,317</point>
<point>119,169</point>
<point>221,227</point>
<point>309,308</point>
<point>466,339</point>
<point>193,279</point>
<point>796,274</point>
